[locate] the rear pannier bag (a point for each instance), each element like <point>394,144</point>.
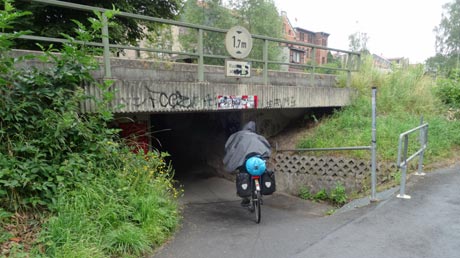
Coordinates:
<point>268,185</point>
<point>243,184</point>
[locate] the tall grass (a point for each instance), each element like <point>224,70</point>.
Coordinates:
<point>128,213</point>
<point>403,97</point>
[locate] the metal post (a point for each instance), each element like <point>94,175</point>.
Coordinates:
<point>313,62</point>
<point>105,42</point>
<point>402,189</point>
<point>374,145</point>
<point>422,146</point>
<point>349,63</point>
<point>265,62</point>
<point>200,57</point>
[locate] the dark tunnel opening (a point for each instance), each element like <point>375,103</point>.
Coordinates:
<point>195,141</point>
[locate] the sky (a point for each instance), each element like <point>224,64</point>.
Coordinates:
<point>396,28</point>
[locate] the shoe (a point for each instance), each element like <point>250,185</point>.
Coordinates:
<point>245,202</point>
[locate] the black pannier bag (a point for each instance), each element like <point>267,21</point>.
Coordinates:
<point>243,184</point>
<point>268,185</point>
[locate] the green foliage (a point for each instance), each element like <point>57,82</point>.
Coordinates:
<point>120,214</point>
<point>396,177</point>
<point>321,195</point>
<point>105,201</point>
<point>51,21</point>
<point>209,13</point>
<point>254,16</point>
<point>304,193</point>
<point>251,14</point>
<point>448,90</point>
<point>358,42</point>
<point>403,96</point>
<point>447,32</point>
<point>338,195</point>
<point>48,144</point>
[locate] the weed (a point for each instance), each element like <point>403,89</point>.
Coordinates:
<point>396,177</point>
<point>338,195</point>
<point>304,193</point>
<point>321,195</point>
<point>330,212</point>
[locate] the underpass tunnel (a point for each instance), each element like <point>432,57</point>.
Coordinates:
<point>195,141</point>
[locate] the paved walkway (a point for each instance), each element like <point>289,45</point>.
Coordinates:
<point>428,225</point>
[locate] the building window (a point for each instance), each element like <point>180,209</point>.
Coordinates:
<point>295,58</point>
<point>302,36</point>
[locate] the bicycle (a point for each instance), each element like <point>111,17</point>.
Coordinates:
<point>255,167</point>
<point>256,198</point>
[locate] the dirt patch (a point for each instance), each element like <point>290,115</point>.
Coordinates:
<point>290,136</point>
<point>20,232</point>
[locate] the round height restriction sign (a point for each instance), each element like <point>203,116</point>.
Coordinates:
<point>238,42</point>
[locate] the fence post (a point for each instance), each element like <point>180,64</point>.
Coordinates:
<point>105,42</point>
<point>349,66</point>
<point>402,189</point>
<point>265,62</point>
<point>422,146</point>
<point>313,61</point>
<point>374,145</point>
<point>200,57</point>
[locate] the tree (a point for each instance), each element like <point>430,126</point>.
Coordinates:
<point>51,21</point>
<point>209,13</point>
<point>251,14</point>
<point>255,14</point>
<point>358,42</point>
<point>448,36</point>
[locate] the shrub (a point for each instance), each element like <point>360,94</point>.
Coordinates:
<point>448,90</point>
<point>104,200</point>
<point>338,194</point>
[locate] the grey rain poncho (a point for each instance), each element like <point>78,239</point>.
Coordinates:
<point>243,144</point>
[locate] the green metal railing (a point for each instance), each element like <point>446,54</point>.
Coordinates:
<point>352,61</point>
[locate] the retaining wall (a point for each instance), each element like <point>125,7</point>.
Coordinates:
<point>294,171</point>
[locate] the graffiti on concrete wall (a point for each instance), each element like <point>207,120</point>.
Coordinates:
<point>281,102</point>
<point>177,99</point>
<point>147,95</point>
<point>236,102</point>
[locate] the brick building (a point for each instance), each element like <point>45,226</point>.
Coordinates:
<point>300,54</point>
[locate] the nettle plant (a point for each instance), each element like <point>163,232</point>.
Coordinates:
<point>46,144</point>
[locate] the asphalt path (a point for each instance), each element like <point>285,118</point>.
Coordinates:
<point>428,225</point>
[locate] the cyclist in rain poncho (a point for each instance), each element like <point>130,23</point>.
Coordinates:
<point>242,145</point>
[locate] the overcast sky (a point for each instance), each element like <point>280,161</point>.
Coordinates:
<point>396,28</point>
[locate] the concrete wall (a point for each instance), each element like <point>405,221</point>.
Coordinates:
<point>153,96</point>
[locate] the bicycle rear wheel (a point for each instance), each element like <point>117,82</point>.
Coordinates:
<point>257,210</point>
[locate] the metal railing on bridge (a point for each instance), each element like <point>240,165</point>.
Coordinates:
<point>351,59</point>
